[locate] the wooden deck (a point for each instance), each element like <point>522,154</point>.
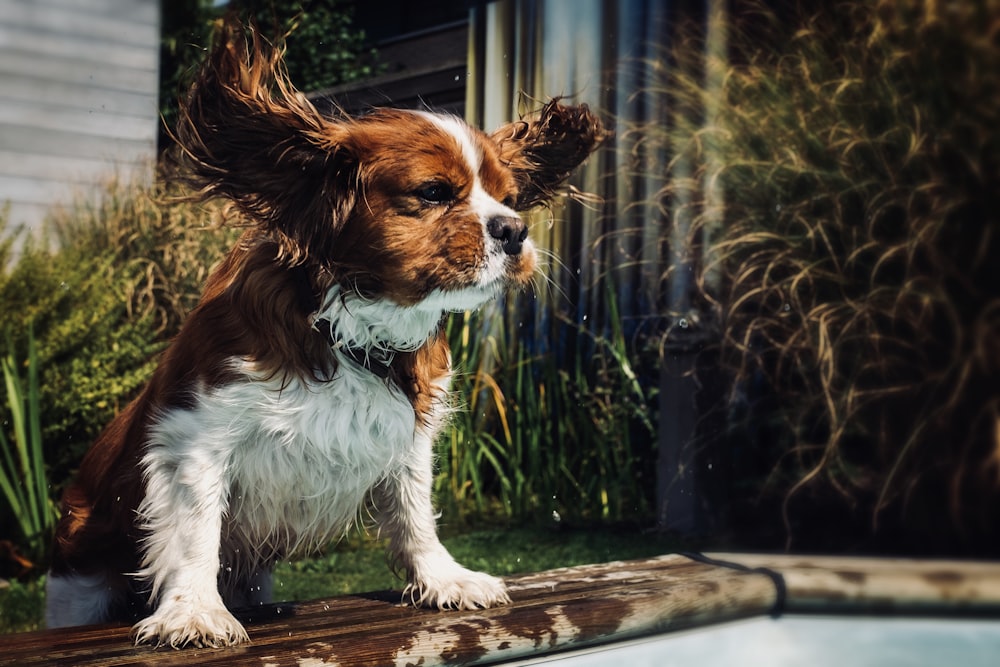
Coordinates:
<point>551,611</point>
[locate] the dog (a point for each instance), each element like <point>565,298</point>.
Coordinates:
<point>309,383</point>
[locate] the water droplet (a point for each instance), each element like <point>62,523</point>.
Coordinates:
<point>556,517</point>
<point>777,208</point>
<point>682,323</point>
<point>787,307</point>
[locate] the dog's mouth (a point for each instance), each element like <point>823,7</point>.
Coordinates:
<point>517,273</point>
<point>512,263</point>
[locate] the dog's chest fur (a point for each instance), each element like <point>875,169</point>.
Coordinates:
<point>300,457</point>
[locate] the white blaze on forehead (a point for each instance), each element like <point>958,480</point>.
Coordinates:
<point>486,205</point>
<point>457,128</point>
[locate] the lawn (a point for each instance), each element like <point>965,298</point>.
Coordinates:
<point>359,564</point>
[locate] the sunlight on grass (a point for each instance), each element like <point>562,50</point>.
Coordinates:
<point>363,567</point>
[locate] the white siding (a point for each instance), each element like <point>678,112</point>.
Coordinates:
<point>78,98</point>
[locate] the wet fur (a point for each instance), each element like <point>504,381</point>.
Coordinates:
<point>257,437</point>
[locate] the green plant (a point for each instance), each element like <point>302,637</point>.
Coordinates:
<point>22,605</point>
<point>323,49</point>
<point>22,468</point>
<point>549,430</point>
<point>103,290</point>
<point>849,263</point>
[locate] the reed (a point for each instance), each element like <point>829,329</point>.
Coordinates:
<point>556,427</point>
<point>23,480</point>
<point>850,266</point>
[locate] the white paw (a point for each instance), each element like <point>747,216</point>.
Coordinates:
<point>456,588</point>
<point>182,622</point>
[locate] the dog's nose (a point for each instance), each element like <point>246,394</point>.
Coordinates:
<point>510,231</point>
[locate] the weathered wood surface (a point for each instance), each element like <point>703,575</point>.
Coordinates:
<point>881,585</point>
<point>553,610</point>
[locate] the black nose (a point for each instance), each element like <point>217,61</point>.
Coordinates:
<point>511,232</point>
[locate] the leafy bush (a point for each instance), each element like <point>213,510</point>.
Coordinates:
<point>22,606</point>
<point>851,266</point>
<point>103,291</point>
<point>323,49</point>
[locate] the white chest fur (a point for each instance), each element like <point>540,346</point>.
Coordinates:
<point>296,461</point>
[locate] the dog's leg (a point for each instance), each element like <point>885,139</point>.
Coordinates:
<point>186,498</point>
<point>407,517</point>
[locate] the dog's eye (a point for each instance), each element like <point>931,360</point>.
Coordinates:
<point>509,201</point>
<point>435,193</point>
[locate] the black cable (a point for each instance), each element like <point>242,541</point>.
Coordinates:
<point>780,587</point>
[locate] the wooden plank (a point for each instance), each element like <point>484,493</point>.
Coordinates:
<point>77,47</point>
<point>96,123</point>
<point>109,20</point>
<point>106,77</point>
<point>21,88</point>
<point>139,11</point>
<point>19,139</point>
<point>881,585</point>
<point>551,611</point>
<point>87,171</point>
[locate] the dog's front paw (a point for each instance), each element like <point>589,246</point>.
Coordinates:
<point>181,623</point>
<point>456,588</point>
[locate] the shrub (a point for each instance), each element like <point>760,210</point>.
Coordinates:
<point>323,48</point>
<point>103,290</point>
<point>851,265</point>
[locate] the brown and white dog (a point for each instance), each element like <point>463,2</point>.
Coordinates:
<point>312,378</point>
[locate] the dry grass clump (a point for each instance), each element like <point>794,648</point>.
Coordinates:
<point>156,239</point>
<point>852,262</point>
<point>103,291</point>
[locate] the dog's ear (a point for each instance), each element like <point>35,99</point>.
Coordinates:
<point>245,133</point>
<point>543,150</point>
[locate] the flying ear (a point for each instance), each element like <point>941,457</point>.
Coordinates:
<point>246,134</point>
<point>544,149</point>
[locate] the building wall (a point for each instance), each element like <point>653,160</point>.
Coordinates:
<point>78,99</point>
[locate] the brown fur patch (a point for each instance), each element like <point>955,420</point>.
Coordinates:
<point>327,201</point>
